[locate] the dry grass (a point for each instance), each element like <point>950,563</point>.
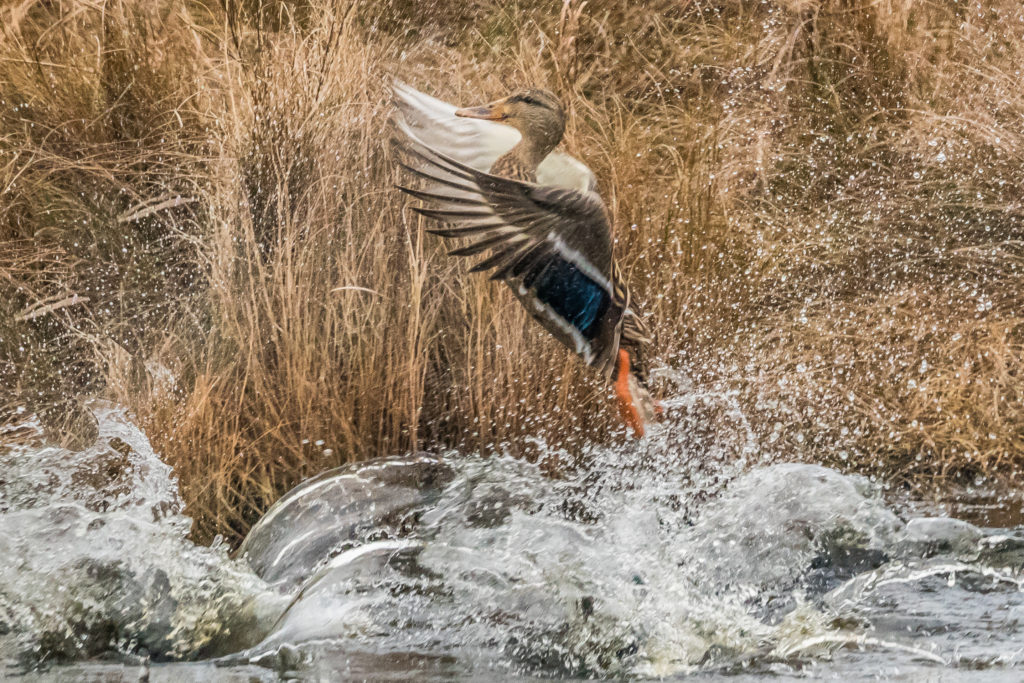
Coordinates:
<point>818,201</point>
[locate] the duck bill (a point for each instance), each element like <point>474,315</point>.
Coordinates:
<point>495,111</point>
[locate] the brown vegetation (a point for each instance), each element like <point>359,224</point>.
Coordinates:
<point>819,203</point>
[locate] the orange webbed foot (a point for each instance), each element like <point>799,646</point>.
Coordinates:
<point>627,406</point>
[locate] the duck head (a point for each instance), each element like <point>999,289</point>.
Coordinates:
<point>535,113</point>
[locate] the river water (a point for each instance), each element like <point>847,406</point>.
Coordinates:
<point>672,557</point>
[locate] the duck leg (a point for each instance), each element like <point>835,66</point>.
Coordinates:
<point>628,408</point>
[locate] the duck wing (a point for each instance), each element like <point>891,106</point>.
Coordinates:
<point>478,143</point>
<point>552,245</point>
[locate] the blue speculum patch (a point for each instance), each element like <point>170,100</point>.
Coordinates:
<point>571,294</point>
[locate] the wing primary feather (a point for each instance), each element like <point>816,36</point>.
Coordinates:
<point>490,262</point>
<point>510,187</point>
<point>486,211</point>
<point>487,243</point>
<point>524,261</point>
<point>439,160</point>
<point>434,197</point>
<point>444,181</point>
<point>467,231</point>
<point>520,212</point>
<point>511,257</point>
<point>530,262</point>
<point>451,214</point>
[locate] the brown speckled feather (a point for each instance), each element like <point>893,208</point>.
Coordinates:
<point>511,166</point>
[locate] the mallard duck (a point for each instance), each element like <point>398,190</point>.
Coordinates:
<point>539,215</point>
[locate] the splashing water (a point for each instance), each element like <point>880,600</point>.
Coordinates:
<point>669,557</point>
<point>684,553</point>
<point>97,556</point>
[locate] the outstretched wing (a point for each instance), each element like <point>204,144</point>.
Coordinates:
<point>479,143</point>
<point>551,244</point>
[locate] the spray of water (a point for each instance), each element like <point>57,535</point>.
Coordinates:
<point>687,551</point>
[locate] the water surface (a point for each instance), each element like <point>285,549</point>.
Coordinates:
<point>674,557</point>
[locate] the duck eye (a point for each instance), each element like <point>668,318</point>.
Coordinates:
<point>532,101</point>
